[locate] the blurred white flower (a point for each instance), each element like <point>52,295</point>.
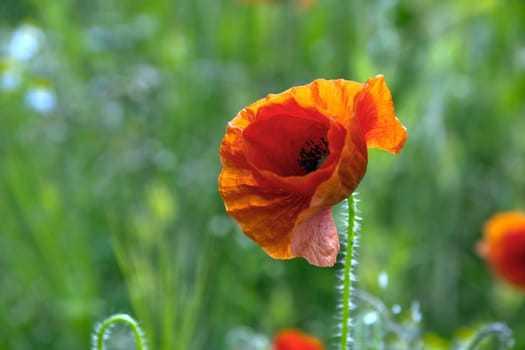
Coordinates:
<point>244,338</point>
<point>382,280</point>
<point>9,80</point>
<point>41,99</point>
<point>25,42</point>
<point>370,318</point>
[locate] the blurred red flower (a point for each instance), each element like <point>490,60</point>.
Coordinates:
<point>302,4</point>
<point>288,158</point>
<point>292,339</point>
<point>503,246</point>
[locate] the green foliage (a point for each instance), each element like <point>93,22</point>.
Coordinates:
<point>109,134</point>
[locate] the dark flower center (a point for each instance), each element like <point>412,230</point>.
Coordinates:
<point>313,154</point>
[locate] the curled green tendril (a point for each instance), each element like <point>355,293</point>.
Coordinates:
<point>103,331</point>
<point>500,330</point>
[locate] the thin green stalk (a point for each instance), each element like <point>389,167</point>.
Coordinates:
<point>102,331</point>
<point>347,278</point>
<point>377,335</point>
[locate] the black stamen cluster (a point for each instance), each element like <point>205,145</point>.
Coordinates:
<point>313,154</point>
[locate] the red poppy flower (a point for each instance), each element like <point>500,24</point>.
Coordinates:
<point>503,246</point>
<point>292,339</point>
<point>288,158</point>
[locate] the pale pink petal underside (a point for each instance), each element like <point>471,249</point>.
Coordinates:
<point>314,237</point>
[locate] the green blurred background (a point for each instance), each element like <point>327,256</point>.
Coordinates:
<point>111,115</point>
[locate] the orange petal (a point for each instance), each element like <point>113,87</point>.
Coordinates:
<point>349,171</point>
<point>266,217</point>
<point>500,224</point>
<point>292,339</point>
<point>375,110</point>
<point>231,150</point>
<point>333,98</point>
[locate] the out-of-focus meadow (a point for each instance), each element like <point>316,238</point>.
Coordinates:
<point>111,115</point>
